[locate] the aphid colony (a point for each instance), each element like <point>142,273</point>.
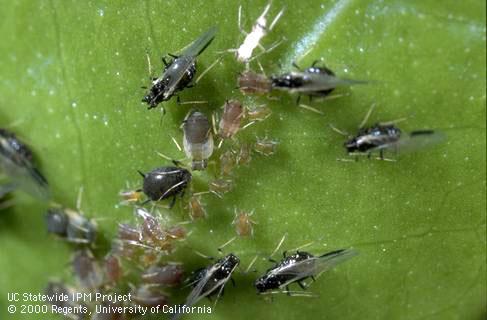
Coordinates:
<point>141,251</point>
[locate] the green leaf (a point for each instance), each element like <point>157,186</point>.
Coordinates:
<point>70,76</point>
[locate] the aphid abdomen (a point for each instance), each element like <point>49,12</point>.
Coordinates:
<point>231,118</point>
<point>252,83</point>
<point>168,275</point>
<point>188,74</point>
<point>321,70</point>
<point>87,270</point>
<point>164,182</point>
<point>198,140</point>
<point>199,153</point>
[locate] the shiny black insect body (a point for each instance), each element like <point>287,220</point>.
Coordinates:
<point>298,267</point>
<point>375,137</point>
<point>211,280</point>
<point>165,182</point>
<point>382,137</point>
<point>179,72</point>
<point>16,160</point>
<point>70,225</point>
<point>313,81</point>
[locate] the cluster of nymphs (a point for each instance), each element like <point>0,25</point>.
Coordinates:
<point>140,253</point>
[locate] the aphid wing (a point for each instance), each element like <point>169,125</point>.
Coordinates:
<point>330,260</point>
<point>319,82</point>
<point>416,140</point>
<point>26,177</point>
<point>315,266</point>
<point>197,294</point>
<point>200,44</point>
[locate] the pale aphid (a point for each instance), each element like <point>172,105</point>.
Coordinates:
<point>198,139</point>
<point>244,225</point>
<point>259,31</point>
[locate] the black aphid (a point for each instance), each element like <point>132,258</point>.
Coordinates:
<point>298,267</point>
<point>165,182</point>
<point>313,81</point>
<point>16,160</point>
<point>381,137</point>
<point>211,280</point>
<point>71,225</point>
<point>179,72</point>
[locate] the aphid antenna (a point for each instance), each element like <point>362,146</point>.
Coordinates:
<point>239,24</point>
<point>279,245</point>
<point>343,133</point>
<point>388,123</point>
<point>208,69</point>
<point>193,102</point>
<point>309,108</point>
<point>225,244</point>
<point>303,246</point>
<point>367,115</point>
<point>277,17</point>
<point>148,63</point>
<point>203,255</point>
<point>176,162</point>
<point>292,293</point>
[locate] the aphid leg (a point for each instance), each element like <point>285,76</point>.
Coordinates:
<point>272,260</point>
<point>261,68</point>
<point>164,61</point>
<point>295,65</point>
<point>367,115</point>
<point>239,19</point>
<point>213,123</point>
<point>298,99</point>
<point>79,199</point>
<point>346,160</point>
<point>173,55</point>
<point>173,202</point>
<point>310,108</point>
<point>233,281</point>
<point>276,18</point>
<point>315,62</point>
<point>313,278</point>
<point>288,292</point>
<point>302,284</point>
<point>284,254</point>
<point>264,50</point>
<point>176,143</point>
<point>207,69</point>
